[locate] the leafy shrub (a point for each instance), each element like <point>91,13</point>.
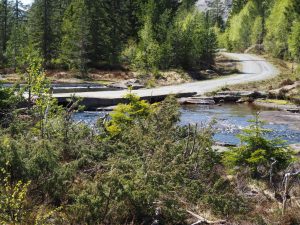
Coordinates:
<point>278,28</point>
<point>294,40</point>
<point>12,199</point>
<point>258,153</point>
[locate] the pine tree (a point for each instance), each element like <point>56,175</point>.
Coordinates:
<point>45,22</point>
<point>19,35</point>
<point>294,41</point>
<point>278,26</point>
<point>76,37</point>
<point>5,27</point>
<point>216,12</point>
<point>237,6</point>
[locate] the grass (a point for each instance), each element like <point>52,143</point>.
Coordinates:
<point>105,82</point>
<point>275,101</point>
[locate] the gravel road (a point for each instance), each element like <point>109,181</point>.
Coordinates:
<point>253,68</point>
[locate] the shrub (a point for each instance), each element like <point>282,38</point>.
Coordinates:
<point>12,199</point>
<point>258,153</point>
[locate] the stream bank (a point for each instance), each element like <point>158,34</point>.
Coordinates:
<point>230,120</point>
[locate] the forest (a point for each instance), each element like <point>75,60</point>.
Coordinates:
<point>140,165</point>
<point>84,34</point>
<point>141,34</point>
<point>272,25</point>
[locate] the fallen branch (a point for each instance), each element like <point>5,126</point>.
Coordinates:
<point>287,188</point>
<point>202,220</point>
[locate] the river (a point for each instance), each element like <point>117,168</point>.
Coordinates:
<point>230,120</point>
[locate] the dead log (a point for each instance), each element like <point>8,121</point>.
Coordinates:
<point>287,188</point>
<point>202,220</point>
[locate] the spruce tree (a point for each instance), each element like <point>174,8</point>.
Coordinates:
<point>5,27</point>
<point>76,37</point>
<point>216,12</point>
<point>19,35</point>
<point>45,22</point>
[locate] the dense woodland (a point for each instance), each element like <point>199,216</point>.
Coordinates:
<point>142,34</point>
<point>139,166</point>
<point>82,34</point>
<point>272,24</point>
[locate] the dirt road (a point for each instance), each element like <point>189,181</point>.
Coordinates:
<point>253,68</point>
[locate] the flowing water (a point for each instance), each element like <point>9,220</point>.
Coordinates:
<point>230,120</point>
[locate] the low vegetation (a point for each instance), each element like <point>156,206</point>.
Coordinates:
<point>137,167</point>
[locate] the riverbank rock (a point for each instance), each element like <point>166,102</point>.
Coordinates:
<point>285,91</point>
<point>197,101</point>
<point>296,148</point>
<point>105,109</point>
<point>238,96</point>
<point>282,107</point>
<point>254,94</point>
<point>132,83</point>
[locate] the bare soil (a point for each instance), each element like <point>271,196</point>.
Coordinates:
<point>223,66</point>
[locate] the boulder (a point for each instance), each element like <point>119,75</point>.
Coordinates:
<point>226,98</point>
<point>296,148</point>
<point>245,100</point>
<point>281,92</point>
<point>210,71</point>
<point>254,94</point>
<point>132,83</point>
<point>105,109</point>
<point>197,101</point>
<point>239,96</point>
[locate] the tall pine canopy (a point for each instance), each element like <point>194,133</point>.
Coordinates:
<point>83,34</point>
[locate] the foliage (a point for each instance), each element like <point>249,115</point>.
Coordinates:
<point>80,34</point>
<point>76,38</point>
<point>278,28</point>
<point>294,41</point>
<point>241,26</point>
<point>124,114</point>
<point>8,104</point>
<point>189,42</point>
<point>271,23</point>
<point>12,199</point>
<point>94,176</point>
<point>194,41</point>
<point>257,153</point>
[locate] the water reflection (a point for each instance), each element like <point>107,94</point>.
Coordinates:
<point>230,120</point>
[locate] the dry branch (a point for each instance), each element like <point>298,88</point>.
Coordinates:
<point>202,220</point>
<point>285,184</point>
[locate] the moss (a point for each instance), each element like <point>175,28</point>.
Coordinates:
<point>105,82</point>
<point>276,101</point>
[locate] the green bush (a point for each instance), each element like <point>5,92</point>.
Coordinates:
<point>241,26</point>
<point>278,29</point>
<point>257,153</point>
<point>294,41</point>
<point>97,175</point>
